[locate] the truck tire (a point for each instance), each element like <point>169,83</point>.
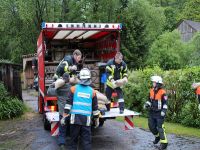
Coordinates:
<point>47,125</point>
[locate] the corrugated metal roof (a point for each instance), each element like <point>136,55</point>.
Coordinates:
<point>193,24</point>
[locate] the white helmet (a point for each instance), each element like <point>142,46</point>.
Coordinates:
<point>157,79</point>
<point>85,74</point>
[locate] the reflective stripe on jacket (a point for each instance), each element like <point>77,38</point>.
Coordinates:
<point>115,71</point>
<point>156,99</point>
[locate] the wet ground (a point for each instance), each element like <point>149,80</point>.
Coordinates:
<point>28,134</point>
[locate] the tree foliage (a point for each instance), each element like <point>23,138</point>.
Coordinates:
<point>182,102</point>
<point>169,52</point>
<point>143,24</point>
<point>144,21</point>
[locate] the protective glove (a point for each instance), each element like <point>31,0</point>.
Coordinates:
<point>147,105</point>
<point>162,113</point>
<point>62,121</point>
<point>199,107</point>
<point>113,83</point>
<point>73,68</point>
<point>55,77</point>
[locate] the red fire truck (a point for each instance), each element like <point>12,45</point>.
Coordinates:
<point>97,41</point>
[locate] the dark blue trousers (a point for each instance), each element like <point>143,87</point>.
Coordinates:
<point>85,136</point>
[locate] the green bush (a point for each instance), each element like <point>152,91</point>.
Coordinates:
<point>191,115</point>
<point>9,107</point>
<point>178,86</point>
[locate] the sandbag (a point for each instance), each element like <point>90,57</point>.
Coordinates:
<point>59,83</point>
<point>101,96</point>
<point>121,82</point>
<point>73,80</point>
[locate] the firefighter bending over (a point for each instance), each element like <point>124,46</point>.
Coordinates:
<point>157,106</point>
<point>82,106</point>
<point>68,64</point>
<point>116,70</point>
<point>59,88</point>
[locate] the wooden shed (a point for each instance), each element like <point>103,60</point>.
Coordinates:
<point>28,72</point>
<point>188,28</point>
<point>10,76</point>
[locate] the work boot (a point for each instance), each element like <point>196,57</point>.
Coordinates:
<point>163,146</point>
<point>157,139</point>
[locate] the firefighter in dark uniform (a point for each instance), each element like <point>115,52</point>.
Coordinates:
<point>116,70</point>
<point>68,64</point>
<point>157,106</point>
<point>82,106</point>
<point>60,88</point>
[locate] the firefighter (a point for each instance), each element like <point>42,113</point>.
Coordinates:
<point>116,70</point>
<point>68,64</point>
<point>59,88</point>
<point>197,91</point>
<point>196,87</point>
<point>82,105</point>
<point>157,106</point>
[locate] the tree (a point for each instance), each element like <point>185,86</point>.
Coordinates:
<point>191,11</point>
<point>169,52</point>
<point>143,24</point>
<point>194,59</point>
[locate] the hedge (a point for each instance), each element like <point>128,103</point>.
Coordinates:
<point>182,102</point>
<point>10,107</point>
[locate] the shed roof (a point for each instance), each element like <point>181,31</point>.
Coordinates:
<point>193,24</point>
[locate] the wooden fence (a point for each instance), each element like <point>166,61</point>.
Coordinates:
<point>10,76</point>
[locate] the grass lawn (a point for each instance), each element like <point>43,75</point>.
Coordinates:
<point>174,128</point>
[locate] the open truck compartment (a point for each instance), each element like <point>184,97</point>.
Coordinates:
<point>97,42</point>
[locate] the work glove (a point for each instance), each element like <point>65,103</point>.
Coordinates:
<point>113,83</point>
<point>199,107</point>
<point>73,68</point>
<point>62,121</point>
<point>162,113</point>
<point>55,77</point>
<point>147,105</point>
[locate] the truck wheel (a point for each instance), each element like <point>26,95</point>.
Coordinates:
<point>47,125</point>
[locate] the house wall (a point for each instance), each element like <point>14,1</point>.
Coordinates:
<point>186,31</point>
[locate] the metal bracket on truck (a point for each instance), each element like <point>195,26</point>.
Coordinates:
<point>128,116</point>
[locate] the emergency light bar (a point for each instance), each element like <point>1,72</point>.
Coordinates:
<point>108,26</point>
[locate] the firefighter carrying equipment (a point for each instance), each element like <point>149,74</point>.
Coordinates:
<point>65,65</point>
<point>115,72</point>
<point>157,79</point>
